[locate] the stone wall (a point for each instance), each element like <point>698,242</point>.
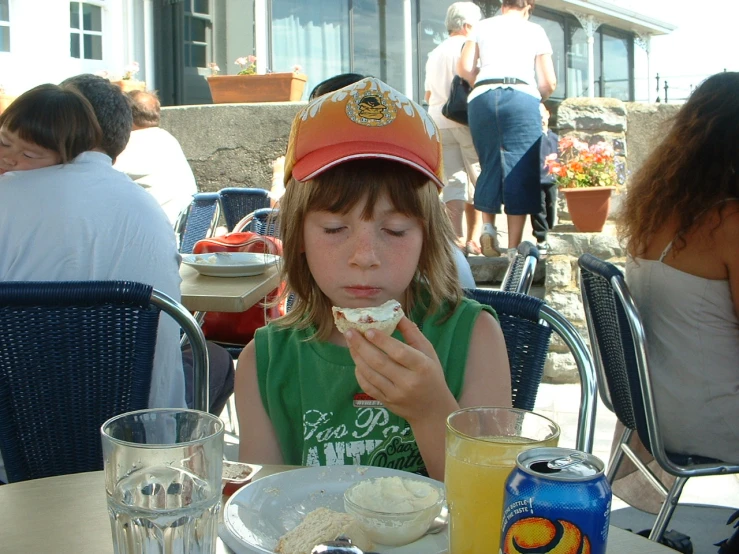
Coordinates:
<point>562,288</point>
<point>232,145</point>
<point>647,124</point>
<point>591,120</point>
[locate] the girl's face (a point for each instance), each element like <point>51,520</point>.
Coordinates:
<point>359,263</point>
<point>17,154</point>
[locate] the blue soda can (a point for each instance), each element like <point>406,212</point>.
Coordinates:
<point>556,500</point>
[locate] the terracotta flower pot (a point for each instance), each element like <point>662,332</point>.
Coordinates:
<point>589,207</point>
<point>272,87</point>
<point>127,85</point>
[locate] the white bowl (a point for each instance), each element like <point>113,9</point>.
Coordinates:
<point>394,511</point>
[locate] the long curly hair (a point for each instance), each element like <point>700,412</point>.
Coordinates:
<point>693,169</point>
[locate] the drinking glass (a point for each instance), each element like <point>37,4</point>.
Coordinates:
<point>481,448</point>
<point>163,480</point>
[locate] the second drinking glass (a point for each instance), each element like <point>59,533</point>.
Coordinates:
<point>481,448</point>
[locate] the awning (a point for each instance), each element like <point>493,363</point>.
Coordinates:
<point>612,15</point>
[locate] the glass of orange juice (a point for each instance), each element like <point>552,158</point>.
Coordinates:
<point>481,448</point>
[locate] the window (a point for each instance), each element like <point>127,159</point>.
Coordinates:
<point>554,26</point>
<point>86,30</point>
<point>4,25</point>
<point>198,33</point>
<point>615,63</point>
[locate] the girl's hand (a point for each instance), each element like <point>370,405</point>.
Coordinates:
<point>406,378</point>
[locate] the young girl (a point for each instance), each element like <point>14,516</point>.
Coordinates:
<point>45,126</point>
<point>361,223</point>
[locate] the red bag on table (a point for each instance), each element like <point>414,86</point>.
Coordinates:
<point>239,328</point>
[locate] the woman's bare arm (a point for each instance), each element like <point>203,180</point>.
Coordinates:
<point>257,439</point>
<point>727,239</point>
<point>467,64</point>
<point>545,76</point>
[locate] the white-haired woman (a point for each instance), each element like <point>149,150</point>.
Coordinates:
<point>515,73</point>
<point>460,158</point>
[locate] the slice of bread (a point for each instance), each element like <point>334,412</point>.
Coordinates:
<point>319,526</point>
<point>383,318</point>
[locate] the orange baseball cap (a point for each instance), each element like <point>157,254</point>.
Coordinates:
<point>367,119</point>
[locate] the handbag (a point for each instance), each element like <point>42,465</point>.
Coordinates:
<point>456,105</point>
<point>239,328</point>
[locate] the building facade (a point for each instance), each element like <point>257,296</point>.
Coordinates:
<point>596,43</point>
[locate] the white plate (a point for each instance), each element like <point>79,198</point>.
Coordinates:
<point>257,515</point>
<point>230,264</point>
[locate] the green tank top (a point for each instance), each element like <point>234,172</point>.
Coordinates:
<point>318,410</point>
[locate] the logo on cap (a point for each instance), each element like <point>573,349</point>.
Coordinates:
<point>370,108</point>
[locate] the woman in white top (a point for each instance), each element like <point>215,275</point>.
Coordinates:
<point>515,73</point>
<point>460,158</point>
<point>681,227</point>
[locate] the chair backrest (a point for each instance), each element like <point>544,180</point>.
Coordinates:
<point>73,354</point>
<point>527,323</point>
<point>619,344</point>
<point>199,221</point>
<point>237,202</point>
<point>262,221</point>
<point>520,273</point>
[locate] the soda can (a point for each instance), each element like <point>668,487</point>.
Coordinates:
<point>556,500</point>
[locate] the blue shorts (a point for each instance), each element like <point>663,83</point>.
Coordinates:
<point>506,130</point>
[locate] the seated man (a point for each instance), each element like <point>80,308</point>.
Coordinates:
<point>154,159</point>
<point>91,222</point>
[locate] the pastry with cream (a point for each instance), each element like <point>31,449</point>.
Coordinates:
<point>383,318</point>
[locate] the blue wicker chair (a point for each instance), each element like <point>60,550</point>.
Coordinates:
<point>73,354</point>
<point>619,343</point>
<point>520,273</point>
<point>198,221</point>
<point>237,202</point>
<point>527,325</point>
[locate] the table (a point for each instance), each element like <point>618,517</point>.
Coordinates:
<point>68,515</point>
<point>225,294</point>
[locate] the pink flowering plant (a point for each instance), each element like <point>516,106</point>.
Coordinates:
<point>579,165</point>
<point>214,69</point>
<point>130,71</point>
<point>248,65</point>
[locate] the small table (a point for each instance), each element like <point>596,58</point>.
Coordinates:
<point>225,294</point>
<point>68,515</point>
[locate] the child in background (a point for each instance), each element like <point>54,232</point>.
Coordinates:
<point>47,125</point>
<point>361,224</point>
<point>544,221</point>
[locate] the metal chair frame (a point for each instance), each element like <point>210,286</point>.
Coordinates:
<point>124,301</point>
<point>262,221</point>
<point>636,409</point>
<point>520,273</point>
<point>198,221</point>
<point>549,320</point>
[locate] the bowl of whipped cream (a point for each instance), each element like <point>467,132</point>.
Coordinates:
<point>394,511</point>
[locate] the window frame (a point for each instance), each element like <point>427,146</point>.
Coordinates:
<point>600,61</point>
<point>81,32</point>
<point>6,23</point>
<point>187,42</point>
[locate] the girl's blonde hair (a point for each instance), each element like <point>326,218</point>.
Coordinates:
<point>55,118</point>
<point>340,189</point>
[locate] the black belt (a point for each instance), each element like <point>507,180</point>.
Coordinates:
<point>503,81</point>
